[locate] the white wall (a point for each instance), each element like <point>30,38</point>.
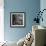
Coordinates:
<point>1,20</point>
<point>43,6</point>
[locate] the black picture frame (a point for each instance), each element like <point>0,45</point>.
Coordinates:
<point>17,19</point>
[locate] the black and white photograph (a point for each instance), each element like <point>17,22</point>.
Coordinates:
<point>17,19</point>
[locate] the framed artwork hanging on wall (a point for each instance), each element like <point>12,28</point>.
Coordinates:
<point>17,19</point>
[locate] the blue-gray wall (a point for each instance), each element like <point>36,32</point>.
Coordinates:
<point>28,6</point>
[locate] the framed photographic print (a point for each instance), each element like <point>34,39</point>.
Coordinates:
<point>17,19</point>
